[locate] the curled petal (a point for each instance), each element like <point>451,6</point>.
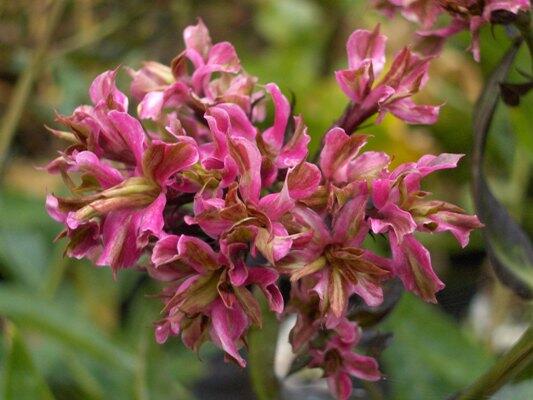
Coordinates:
<point>165,250</point>
<point>227,327</point>
<point>162,160</point>
<point>88,162</point>
<point>368,165</point>
<point>303,180</point>
<point>362,367</point>
<point>406,110</point>
<point>198,254</point>
<point>103,90</point>
<point>340,385</point>
<point>266,279</point>
<point>274,135</point>
<point>131,133</point>
<point>248,159</point>
<point>339,149</point>
<point>365,45</point>
<point>296,149</point>
<point>197,37</point>
<point>412,264</point>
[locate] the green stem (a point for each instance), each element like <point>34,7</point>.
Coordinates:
<point>24,84</point>
<point>508,366</point>
<point>261,352</point>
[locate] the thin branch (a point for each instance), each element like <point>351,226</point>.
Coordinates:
<point>24,84</point>
<point>507,367</point>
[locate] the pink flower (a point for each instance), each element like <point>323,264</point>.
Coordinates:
<point>407,74</point>
<point>159,87</point>
<point>331,263</point>
<point>211,293</point>
<point>279,153</point>
<point>340,363</point>
<point>122,208</point>
<point>465,15</point>
<point>222,206</point>
<point>399,208</point>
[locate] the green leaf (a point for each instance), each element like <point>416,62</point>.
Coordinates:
<point>22,381</point>
<point>262,350</point>
<point>430,356</point>
<point>509,248</point>
<point>24,255</point>
<point>33,312</point>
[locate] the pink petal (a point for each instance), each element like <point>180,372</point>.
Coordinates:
<point>152,76</point>
<point>275,135</point>
<point>303,180</point>
<point>460,225</point>
<point>392,216</point>
<point>53,210</point>
<point>198,254</point>
<point>349,221</point>
<point>368,165</point>
<point>151,105</point>
<point>151,222</point>
<point>197,37</point>
<point>162,160</point>
<point>311,219</point>
<point>370,292</point>
<point>356,83</point>
<point>362,367</point>
<point>412,264</point>
<point>248,159</point>
<point>119,237</point>
<point>106,175</point>
<point>103,90</point>
<point>131,133</point>
<point>430,163</point>
<point>340,385</point>
<point>266,279</point>
<point>339,149</point>
<point>165,250</point>
<point>239,123</point>
<point>408,111</point>
<point>228,326</point>
<point>365,45</point>
<point>296,149</point>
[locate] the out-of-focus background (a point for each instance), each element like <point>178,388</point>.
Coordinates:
<point>69,331</point>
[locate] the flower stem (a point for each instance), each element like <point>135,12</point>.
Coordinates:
<point>508,366</point>
<point>261,353</point>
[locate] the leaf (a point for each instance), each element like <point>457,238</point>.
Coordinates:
<point>47,318</point>
<point>510,250</point>
<point>24,255</point>
<point>22,381</point>
<point>262,350</point>
<point>430,357</point>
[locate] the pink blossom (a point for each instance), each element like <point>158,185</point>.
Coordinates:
<point>406,76</point>
<point>222,205</point>
<point>340,363</point>
<point>211,294</point>
<point>468,15</point>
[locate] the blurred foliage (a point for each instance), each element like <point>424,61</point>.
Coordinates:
<point>78,334</point>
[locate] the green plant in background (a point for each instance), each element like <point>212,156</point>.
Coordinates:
<point>101,344</point>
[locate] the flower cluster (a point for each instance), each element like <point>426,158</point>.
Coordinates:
<point>194,192</point>
<point>468,15</point>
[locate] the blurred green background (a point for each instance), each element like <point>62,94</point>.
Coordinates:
<point>69,331</point>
